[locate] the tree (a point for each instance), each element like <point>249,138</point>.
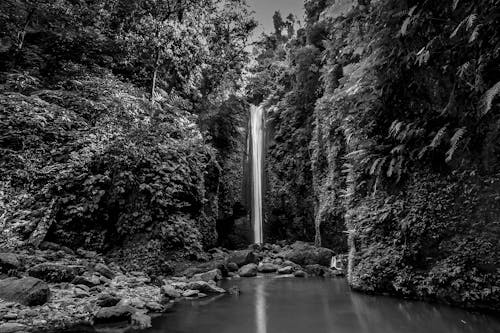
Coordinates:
<point>278,23</point>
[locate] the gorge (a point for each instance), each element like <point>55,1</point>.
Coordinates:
<point>156,157</point>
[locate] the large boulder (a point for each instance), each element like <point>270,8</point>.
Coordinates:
<point>114,314</point>
<point>303,254</point>
<point>242,257</point>
<point>249,270</point>
<point>54,272</point>
<point>9,261</point>
<point>27,291</point>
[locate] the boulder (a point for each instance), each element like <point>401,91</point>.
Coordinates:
<point>190,293</point>
<point>300,274</point>
<point>316,270</point>
<point>248,270</point>
<point>213,275</point>
<point>140,321</point>
<point>114,314</point>
<point>9,261</point>
<point>12,328</point>
<point>27,291</point>
<point>106,300</point>
<point>134,302</point>
<point>104,271</point>
<point>54,272</point>
<point>267,267</point>
<point>286,270</point>
<point>242,257</point>
<point>169,292</point>
<point>89,282</point>
<point>205,287</point>
<point>232,267</point>
<point>154,307</point>
<point>303,253</point>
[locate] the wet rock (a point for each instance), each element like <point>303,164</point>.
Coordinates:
<point>140,320</point>
<point>12,328</point>
<point>205,287</point>
<point>232,267</point>
<point>267,268</point>
<point>114,314</point>
<point>27,291</point>
<point>305,254</point>
<point>9,261</point>
<point>169,292</point>
<point>106,300</point>
<point>300,274</point>
<point>190,293</point>
<point>104,271</point>
<point>286,270</point>
<point>54,272</point>
<point>213,275</point>
<point>242,257</point>
<point>248,270</point>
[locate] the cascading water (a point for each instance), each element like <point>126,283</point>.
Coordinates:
<point>257,132</point>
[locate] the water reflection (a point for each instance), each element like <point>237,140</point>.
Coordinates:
<point>260,309</point>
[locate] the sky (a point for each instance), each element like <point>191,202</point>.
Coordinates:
<point>264,10</point>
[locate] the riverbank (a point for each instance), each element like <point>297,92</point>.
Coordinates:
<point>54,288</point>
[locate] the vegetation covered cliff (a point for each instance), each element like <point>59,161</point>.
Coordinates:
<point>386,134</point>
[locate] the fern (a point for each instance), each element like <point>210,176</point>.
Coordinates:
<point>471,19</point>
<point>455,139</point>
<point>438,138</point>
<point>489,97</point>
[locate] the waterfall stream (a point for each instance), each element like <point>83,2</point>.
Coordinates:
<point>257,132</point>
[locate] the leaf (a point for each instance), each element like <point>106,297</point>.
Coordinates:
<point>455,4</point>
<point>404,27</point>
<point>489,97</point>
<point>438,137</point>
<point>459,134</point>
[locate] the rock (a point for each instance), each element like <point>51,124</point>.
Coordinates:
<point>27,291</point>
<point>213,275</point>
<point>10,316</point>
<point>267,267</point>
<point>248,270</point>
<point>234,290</point>
<point>134,302</point>
<point>316,270</point>
<point>55,247</point>
<point>81,293</point>
<point>114,314</point>
<point>140,321</point>
<point>201,295</point>
<point>92,282</point>
<point>106,300</point>
<point>190,293</point>
<point>169,292</point>
<point>300,274</point>
<point>104,271</point>
<point>232,267</point>
<point>9,261</point>
<point>154,307</point>
<point>53,272</point>
<point>305,254</point>
<point>285,270</point>
<point>12,328</point>
<point>242,257</point>
<point>205,287</point>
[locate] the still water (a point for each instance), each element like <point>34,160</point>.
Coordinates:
<point>293,305</point>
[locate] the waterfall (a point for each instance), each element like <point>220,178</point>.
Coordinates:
<point>256,138</point>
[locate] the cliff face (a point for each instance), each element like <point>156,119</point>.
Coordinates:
<point>403,143</point>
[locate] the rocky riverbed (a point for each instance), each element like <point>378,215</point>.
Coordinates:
<point>55,288</point>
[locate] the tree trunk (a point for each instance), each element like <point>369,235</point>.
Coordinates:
<point>155,75</point>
